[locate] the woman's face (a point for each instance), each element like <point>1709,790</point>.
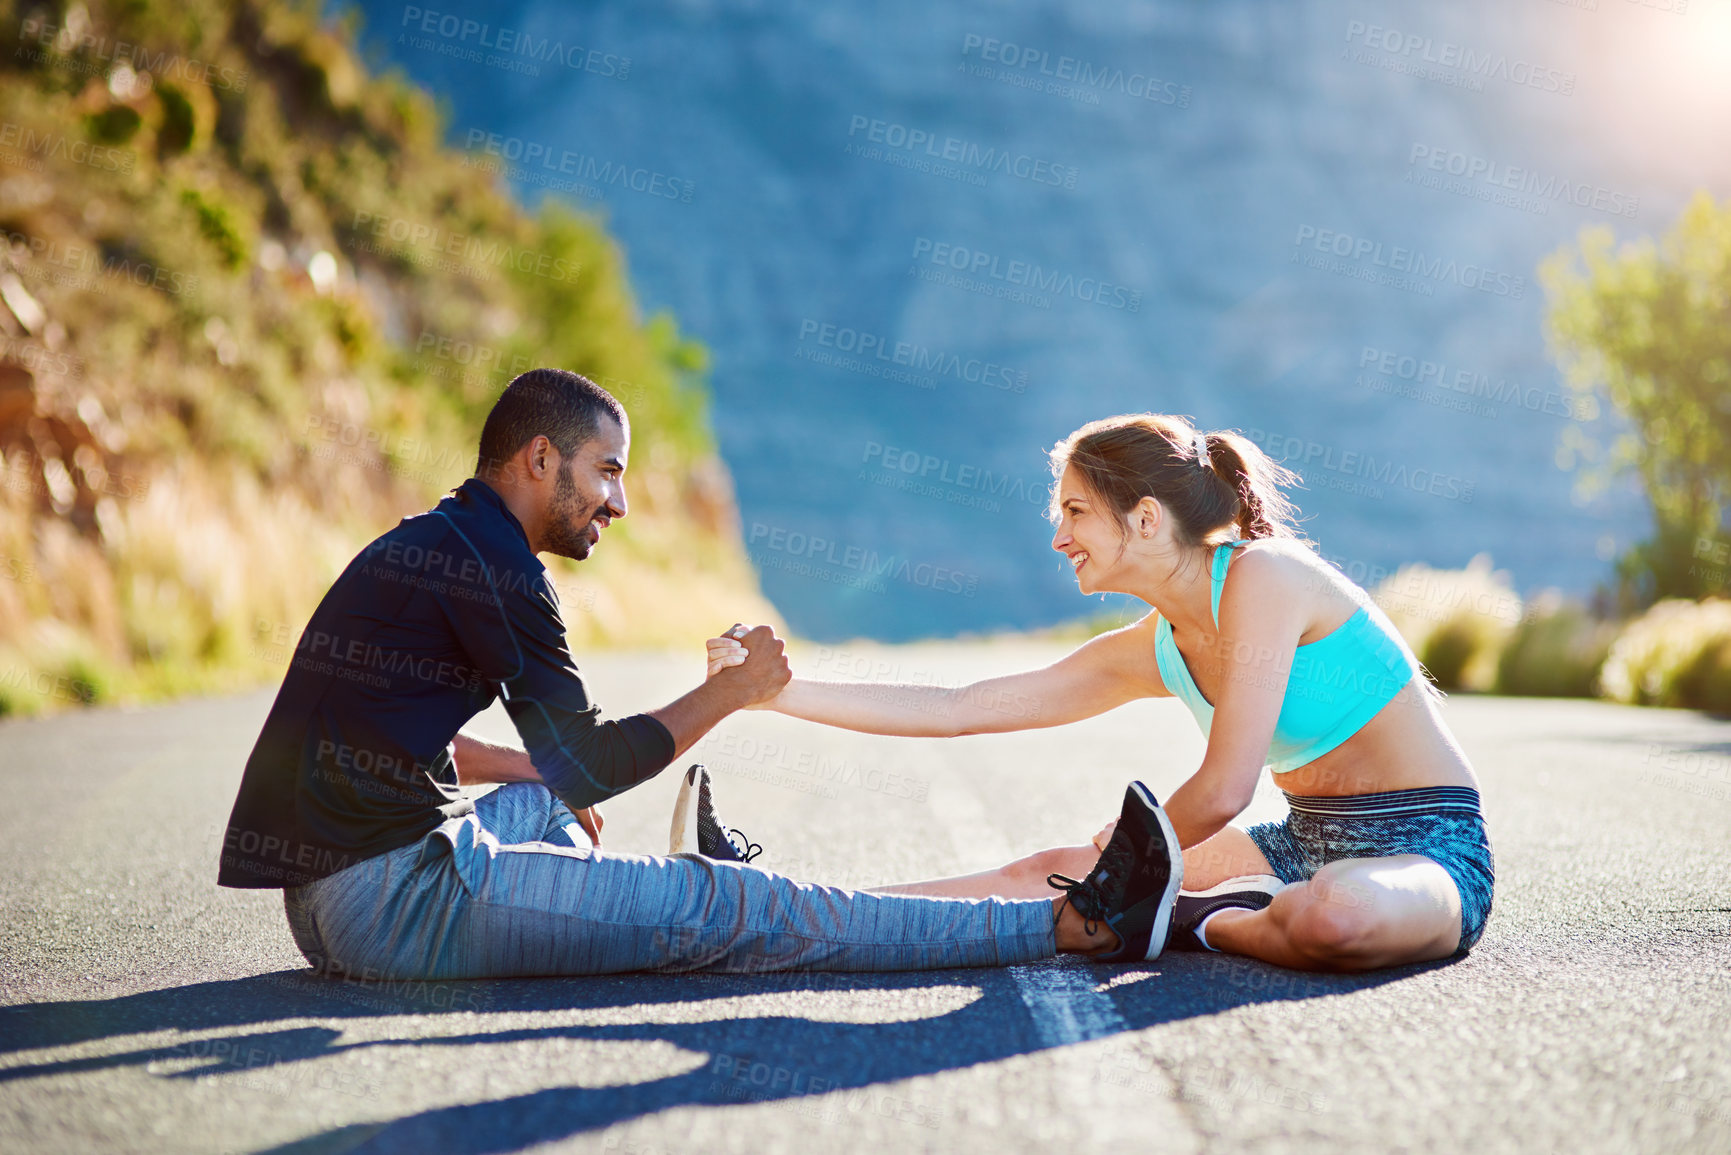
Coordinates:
<point>1089,534</point>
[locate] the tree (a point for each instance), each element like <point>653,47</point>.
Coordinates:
<point>1648,326</point>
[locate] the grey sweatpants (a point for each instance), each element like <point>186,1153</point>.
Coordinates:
<point>510,891</point>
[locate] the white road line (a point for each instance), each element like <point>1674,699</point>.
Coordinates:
<point>1064,1005</point>
<point>1060,996</point>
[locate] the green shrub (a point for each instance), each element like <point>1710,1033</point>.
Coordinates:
<point>1676,654</point>
<point>218,226</point>
<point>114,125</point>
<point>1456,621</point>
<point>1706,684</point>
<point>179,122</point>
<point>1556,651</point>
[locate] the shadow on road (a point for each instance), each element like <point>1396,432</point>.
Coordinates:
<point>809,1054</point>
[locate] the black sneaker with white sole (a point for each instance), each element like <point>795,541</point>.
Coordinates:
<point>1252,892</point>
<point>696,829</point>
<point>1135,882</point>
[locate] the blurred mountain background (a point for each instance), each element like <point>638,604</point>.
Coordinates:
<point>268,264</point>
<point>1195,145</point>
<point>255,310</point>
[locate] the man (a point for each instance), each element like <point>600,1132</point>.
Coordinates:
<point>351,803</point>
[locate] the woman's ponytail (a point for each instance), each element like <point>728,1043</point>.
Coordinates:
<point>1255,478</point>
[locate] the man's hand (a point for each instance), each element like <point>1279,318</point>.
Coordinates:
<point>589,819</point>
<point>754,659</point>
<point>748,679</point>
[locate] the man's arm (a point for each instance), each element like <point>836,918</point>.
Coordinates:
<point>584,760</point>
<point>691,717</point>
<point>481,762</point>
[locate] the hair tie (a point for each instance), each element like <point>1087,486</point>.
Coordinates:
<point>1201,447</point>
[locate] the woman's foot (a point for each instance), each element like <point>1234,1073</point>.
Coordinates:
<point>1133,886</point>
<point>1193,908</point>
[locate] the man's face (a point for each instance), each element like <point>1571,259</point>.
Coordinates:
<point>589,492</point>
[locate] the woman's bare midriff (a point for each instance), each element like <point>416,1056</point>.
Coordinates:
<point>1405,747</point>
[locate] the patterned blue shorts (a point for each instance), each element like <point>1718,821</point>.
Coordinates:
<point>1443,823</point>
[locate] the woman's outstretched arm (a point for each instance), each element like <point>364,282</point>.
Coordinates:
<point>1106,672</point>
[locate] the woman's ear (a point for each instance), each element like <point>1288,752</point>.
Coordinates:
<point>1146,517</point>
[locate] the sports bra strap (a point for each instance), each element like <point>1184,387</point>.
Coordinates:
<point>1217,579</point>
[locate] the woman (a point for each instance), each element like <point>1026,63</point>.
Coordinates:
<point>1383,858</point>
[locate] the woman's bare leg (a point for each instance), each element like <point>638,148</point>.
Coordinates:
<point>1229,854</point>
<point>1023,878</point>
<point>1354,914</point>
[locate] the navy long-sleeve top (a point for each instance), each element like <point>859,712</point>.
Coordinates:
<point>423,630</point>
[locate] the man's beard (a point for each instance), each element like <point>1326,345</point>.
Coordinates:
<point>566,524</point>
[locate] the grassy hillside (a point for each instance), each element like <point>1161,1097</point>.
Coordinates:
<point>252,311</point>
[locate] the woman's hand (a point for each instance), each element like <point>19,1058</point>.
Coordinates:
<point>728,651</point>
<point>1105,836</point>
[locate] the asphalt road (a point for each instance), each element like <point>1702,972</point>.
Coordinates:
<point>144,1009</point>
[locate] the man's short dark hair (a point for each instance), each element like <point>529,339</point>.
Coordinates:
<point>563,406</point>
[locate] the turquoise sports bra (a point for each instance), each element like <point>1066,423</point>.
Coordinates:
<point>1337,684</point>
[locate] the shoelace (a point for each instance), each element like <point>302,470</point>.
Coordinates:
<point>1082,894</point>
<point>742,846</point>
<point>1088,895</point>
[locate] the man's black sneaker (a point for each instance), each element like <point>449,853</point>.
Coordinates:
<point>1252,892</point>
<point>697,830</point>
<point>1132,887</point>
